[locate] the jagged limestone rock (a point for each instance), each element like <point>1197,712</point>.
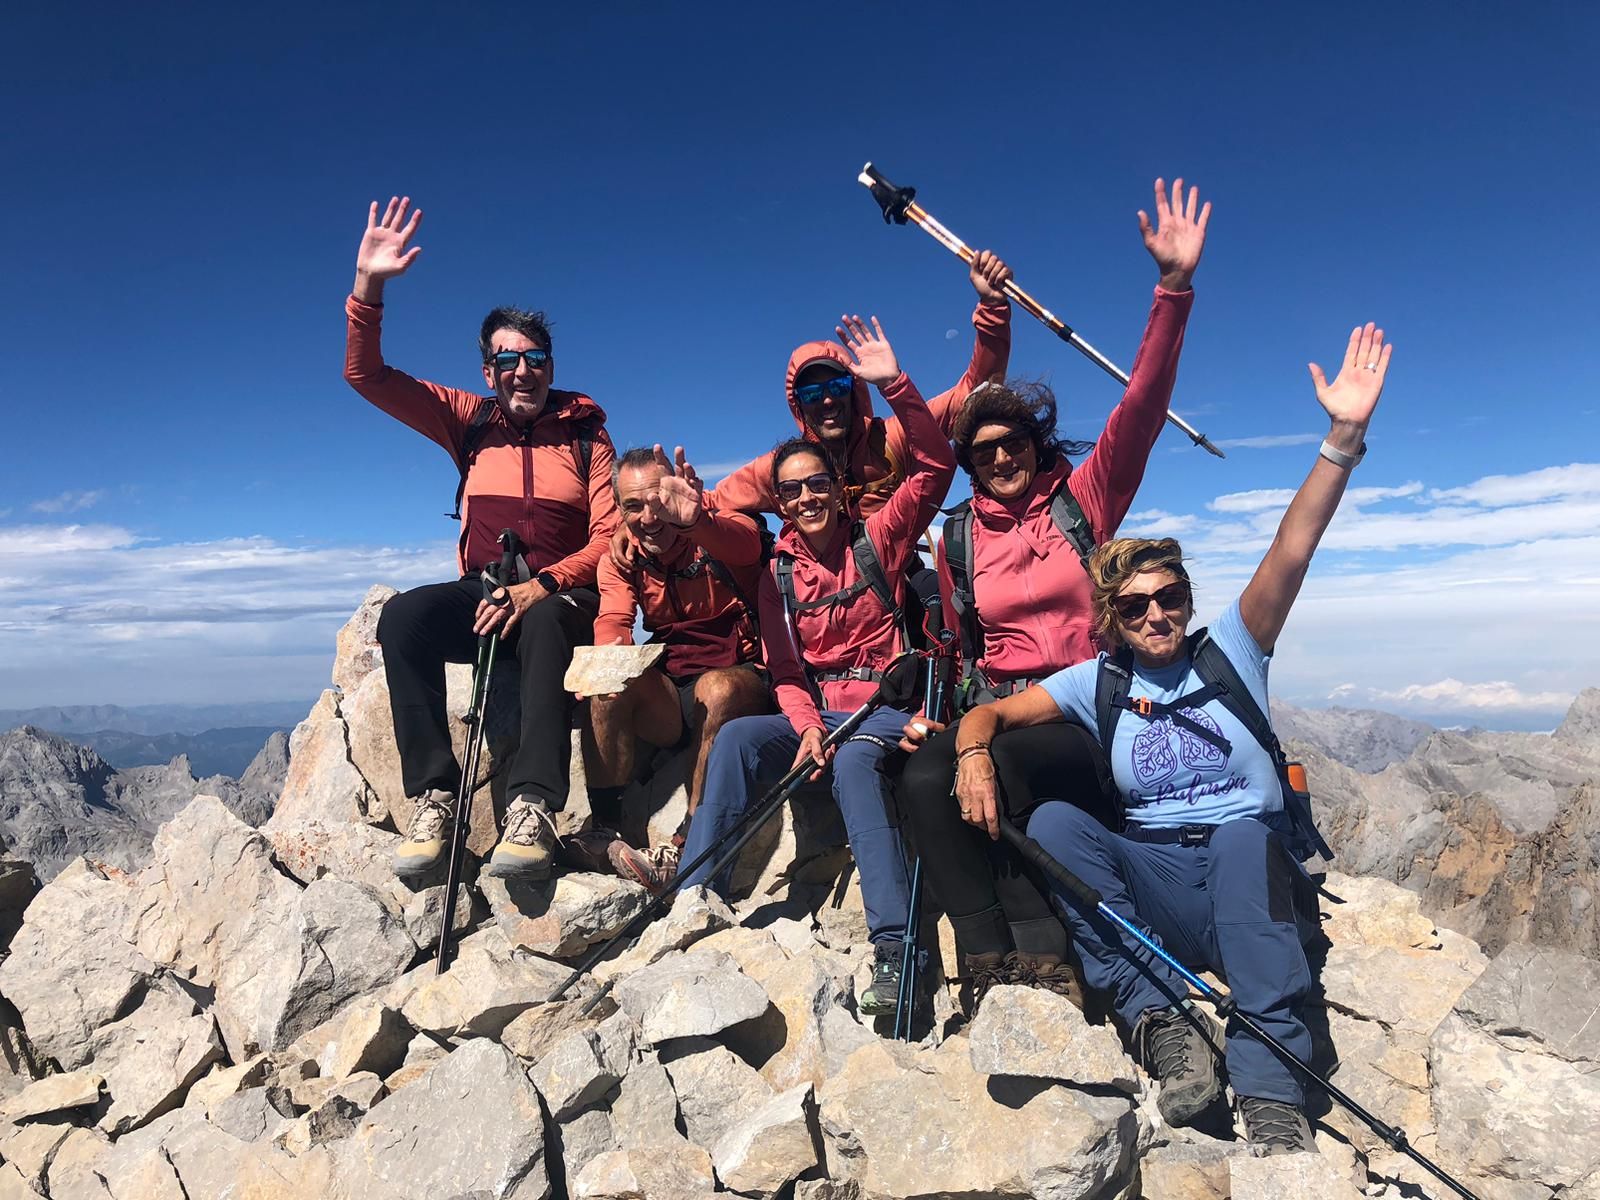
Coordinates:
<point>583,1066</point>
<point>152,1057</point>
<point>673,1172</point>
<point>486,985</point>
<point>563,916</point>
<point>56,1093</point>
<point>772,1146</point>
<point>691,994</point>
<point>70,971</point>
<point>1289,1177</point>
<point>471,1126</point>
<point>323,783</point>
<point>715,1088</point>
<point>645,1108</point>
<point>607,670</point>
<point>356,652</point>
<point>372,1037</point>
<point>1031,1032</point>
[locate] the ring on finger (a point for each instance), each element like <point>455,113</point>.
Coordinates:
<point>1372,366</point>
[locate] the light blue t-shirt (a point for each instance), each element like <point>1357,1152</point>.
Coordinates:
<point>1165,774</point>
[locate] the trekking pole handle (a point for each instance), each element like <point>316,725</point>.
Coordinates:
<point>1040,857</point>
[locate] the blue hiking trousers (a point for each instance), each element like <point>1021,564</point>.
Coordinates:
<point>1230,906</point>
<point>753,753</point>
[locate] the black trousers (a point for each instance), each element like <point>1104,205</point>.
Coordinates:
<point>429,626</point>
<point>996,901</point>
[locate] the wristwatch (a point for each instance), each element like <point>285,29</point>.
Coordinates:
<point>1341,458</point>
<point>548,582</point>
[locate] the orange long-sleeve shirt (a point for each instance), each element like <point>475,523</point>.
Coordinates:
<point>524,478</point>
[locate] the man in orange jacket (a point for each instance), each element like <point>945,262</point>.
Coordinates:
<point>695,587</point>
<point>535,460</point>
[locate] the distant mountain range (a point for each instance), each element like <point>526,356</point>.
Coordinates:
<point>76,720</point>
<point>59,800</point>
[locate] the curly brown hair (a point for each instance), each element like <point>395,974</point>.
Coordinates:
<point>1119,560</point>
<point>1028,405</point>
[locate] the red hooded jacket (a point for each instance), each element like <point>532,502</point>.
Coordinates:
<point>524,479</point>
<point>879,447</point>
<point>702,622</point>
<point>860,633</point>
<point>1031,593</point>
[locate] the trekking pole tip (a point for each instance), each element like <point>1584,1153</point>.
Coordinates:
<point>1204,443</point>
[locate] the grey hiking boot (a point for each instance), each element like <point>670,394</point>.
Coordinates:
<point>433,820</point>
<point>1275,1127</point>
<point>1174,1051</point>
<point>528,844</point>
<point>882,995</point>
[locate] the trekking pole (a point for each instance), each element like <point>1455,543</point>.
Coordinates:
<point>1395,1138</point>
<point>482,671</point>
<point>896,688</point>
<point>932,695</point>
<point>899,206</point>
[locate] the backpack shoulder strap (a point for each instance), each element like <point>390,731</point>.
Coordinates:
<point>1213,667</point>
<point>957,540</point>
<point>725,577</point>
<point>1111,694</point>
<point>1068,515</point>
<point>471,440</point>
<point>583,447</point>
<point>868,565</point>
<point>783,573</point>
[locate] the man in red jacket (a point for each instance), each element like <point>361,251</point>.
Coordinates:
<point>695,587</point>
<point>535,460</point>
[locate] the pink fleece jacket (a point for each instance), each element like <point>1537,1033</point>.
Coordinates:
<point>861,633</point>
<point>1032,595</point>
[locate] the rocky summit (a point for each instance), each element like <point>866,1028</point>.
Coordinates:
<point>255,1013</point>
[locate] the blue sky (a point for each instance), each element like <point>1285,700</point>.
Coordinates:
<point>192,500</point>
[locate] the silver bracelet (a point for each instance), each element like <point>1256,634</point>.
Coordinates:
<point>1340,458</point>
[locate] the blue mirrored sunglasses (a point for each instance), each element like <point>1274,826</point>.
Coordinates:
<point>836,388</point>
<point>506,360</point>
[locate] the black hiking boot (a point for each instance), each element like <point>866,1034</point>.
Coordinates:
<point>1170,1045</point>
<point>882,995</point>
<point>1275,1127</point>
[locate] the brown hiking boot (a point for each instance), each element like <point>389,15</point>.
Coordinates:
<point>984,971</point>
<point>1048,972</point>
<point>606,853</point>
<point>1174,1046</point>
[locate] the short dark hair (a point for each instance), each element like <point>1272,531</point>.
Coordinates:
<point>633,459</point>
<point>1029,405</point>
<point>534,326</point>
<point>799,445</point>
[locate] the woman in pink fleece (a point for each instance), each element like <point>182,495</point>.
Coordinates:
<point>827,645</point>
<point>1031,600</point>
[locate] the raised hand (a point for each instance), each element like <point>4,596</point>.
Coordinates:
<point>872,357</point>
<point>383,253</point>
<point>989,276</point>
<point>1350,399</point>
<point>679,491</point>
<point>1179,235</point>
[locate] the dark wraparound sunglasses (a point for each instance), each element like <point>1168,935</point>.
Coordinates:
<point>820,484</point>
<point>836,388</point>
<point>507,360</point>
<point>1132,606</point>
<point>1014,444</point>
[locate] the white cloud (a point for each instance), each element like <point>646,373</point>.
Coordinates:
<point>1452,695</point>
<point>1551,483</point>
<point>1271,441</point>
<point>1259,500</point>
<point>68,502</point>
<point>98,614</point>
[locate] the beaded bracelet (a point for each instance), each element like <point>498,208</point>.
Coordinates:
<point>980,748</point>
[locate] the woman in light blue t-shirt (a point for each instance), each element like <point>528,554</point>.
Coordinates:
<point>1202,861</point>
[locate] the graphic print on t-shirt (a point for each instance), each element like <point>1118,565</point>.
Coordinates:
<point>1163,749</point>
<point>1153,758</point>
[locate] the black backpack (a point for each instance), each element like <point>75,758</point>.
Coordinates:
<point>478,429</point>
<point>1069,519</point>
<point>1220,682</point>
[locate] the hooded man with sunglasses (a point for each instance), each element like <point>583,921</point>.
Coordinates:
<point>534,460</point>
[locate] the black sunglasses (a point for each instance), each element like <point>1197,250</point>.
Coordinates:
<point>507,360</point>
<point>982,453</point>
<point>1132,606</point>
<point>820,484</point>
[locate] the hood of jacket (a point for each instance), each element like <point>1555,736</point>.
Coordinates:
<point>834,354</point>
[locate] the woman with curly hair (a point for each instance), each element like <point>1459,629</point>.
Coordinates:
<point>1205,860</point>
<point>1023,604</point>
